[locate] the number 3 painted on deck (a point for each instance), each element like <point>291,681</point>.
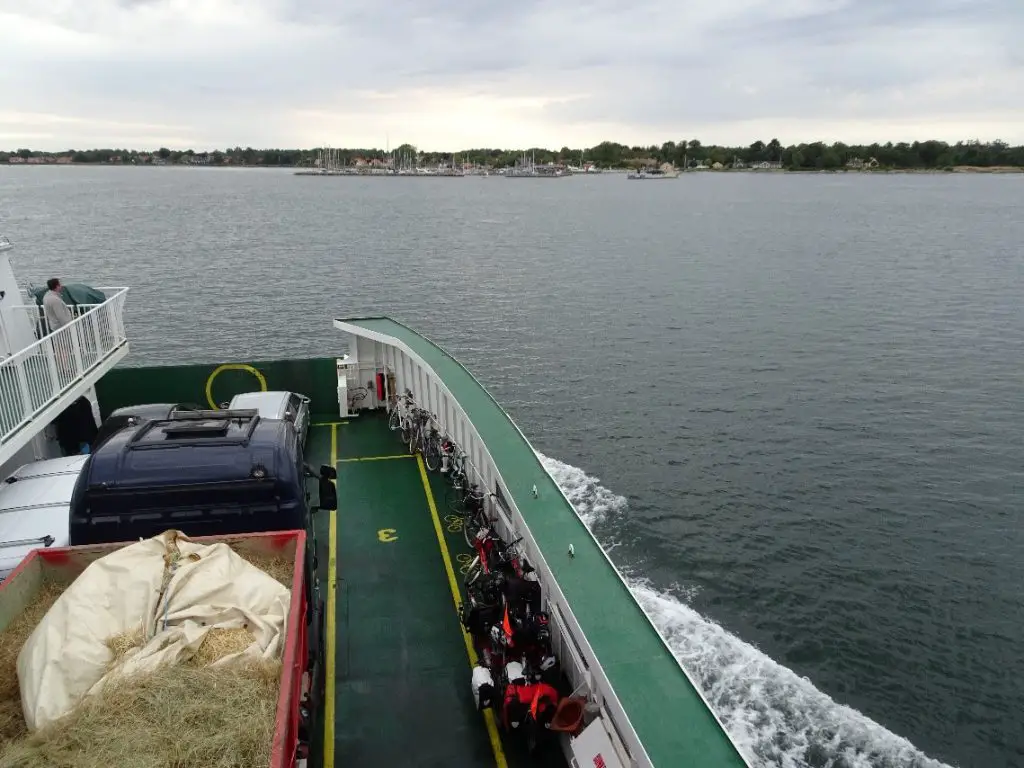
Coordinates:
<point>387,534</point>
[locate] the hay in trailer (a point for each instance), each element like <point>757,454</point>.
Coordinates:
<point>176,716</point>
<point>12,638</point>
<point>276,566</point>
<point>123,642</point>
<point>219,643</point>
<point>186,714</point>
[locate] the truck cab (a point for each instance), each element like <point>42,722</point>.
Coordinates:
<point>200,472</point>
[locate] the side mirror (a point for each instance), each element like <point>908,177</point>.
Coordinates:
<point>328,472</point>
<point>328,494</point>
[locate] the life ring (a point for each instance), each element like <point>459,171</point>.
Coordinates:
<point>231,367</point>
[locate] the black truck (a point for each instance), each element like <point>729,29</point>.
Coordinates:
<point>200,472</point>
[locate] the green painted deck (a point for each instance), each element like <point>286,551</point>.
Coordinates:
<point>402,671</point>
<point>673,722</point>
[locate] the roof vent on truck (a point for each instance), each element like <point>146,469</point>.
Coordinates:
<point>233,427</point>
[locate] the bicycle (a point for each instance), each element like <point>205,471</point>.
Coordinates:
<point>399,409</point>
<point>494,557</point>
<point>453,461</point>
<point>463,499</point>
<point>430,444</point>
<point>472,508</point>
<point>509,558</point>
<point>411,432</point>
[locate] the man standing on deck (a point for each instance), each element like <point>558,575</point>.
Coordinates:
<point>55,311</point>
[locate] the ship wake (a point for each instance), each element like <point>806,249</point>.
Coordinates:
<point>778,719</point>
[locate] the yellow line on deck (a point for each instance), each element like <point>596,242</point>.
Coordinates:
<point>378,458</point>
<point>492,728</point>
<point>328,423</point>
<point>332,587</point>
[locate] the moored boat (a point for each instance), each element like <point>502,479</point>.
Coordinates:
<point>666,171</point>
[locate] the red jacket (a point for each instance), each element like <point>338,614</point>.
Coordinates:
<point>530,700</point>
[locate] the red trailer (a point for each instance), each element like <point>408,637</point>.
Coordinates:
<point>63,565</point>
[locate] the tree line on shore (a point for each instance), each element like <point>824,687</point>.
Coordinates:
<point>687,153</point>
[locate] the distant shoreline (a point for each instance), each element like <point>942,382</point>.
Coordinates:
<point>930,156</point>
<point>960,169</point>
<point>954,169</point>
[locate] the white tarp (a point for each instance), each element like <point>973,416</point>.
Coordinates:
<point>177,589</point>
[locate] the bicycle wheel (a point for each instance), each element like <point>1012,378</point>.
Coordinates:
<point>475,570</point>
<point>453,499</point>
<point>395,419</point>
<point>471,529</point>
<point>432,454</point>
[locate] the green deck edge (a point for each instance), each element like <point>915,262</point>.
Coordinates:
<point>666,709</point>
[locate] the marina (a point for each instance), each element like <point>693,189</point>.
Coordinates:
<point>665,171</point>
<point>329,163</point>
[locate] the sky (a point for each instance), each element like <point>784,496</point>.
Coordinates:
<point>457,74</point>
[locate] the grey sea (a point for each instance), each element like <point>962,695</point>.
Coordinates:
<point>789,406</point>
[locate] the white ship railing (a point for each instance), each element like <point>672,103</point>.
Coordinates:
<point>39,375</point>
<point>37,318</point>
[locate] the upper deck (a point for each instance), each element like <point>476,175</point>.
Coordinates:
<point>43,372</point>
<point>673,722</point>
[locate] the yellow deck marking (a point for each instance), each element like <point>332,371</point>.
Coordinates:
<point>332,582</point>
<point>328,423</point>
<point>387,535</point>
<point>377,458</point>
<point>231,367</point>
<point>492,728</point>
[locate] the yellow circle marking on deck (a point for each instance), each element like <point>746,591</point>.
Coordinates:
<point>465,561</point>
<point>387,535</point>
<point>453,523</point>
<point>231,367</point>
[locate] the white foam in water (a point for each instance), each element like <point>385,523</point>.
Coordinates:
<point>593,502</point>
<point>778,719</point>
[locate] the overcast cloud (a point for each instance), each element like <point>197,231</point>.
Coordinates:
<point>451,74</point>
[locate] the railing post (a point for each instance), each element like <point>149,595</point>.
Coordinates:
<point>101,351</point>
<point>76,348</point>
<point>118,323</point>
<point>26,397</point>
<point>55,383</point>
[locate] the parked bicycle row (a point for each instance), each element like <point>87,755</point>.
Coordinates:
<point>517,673</point>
